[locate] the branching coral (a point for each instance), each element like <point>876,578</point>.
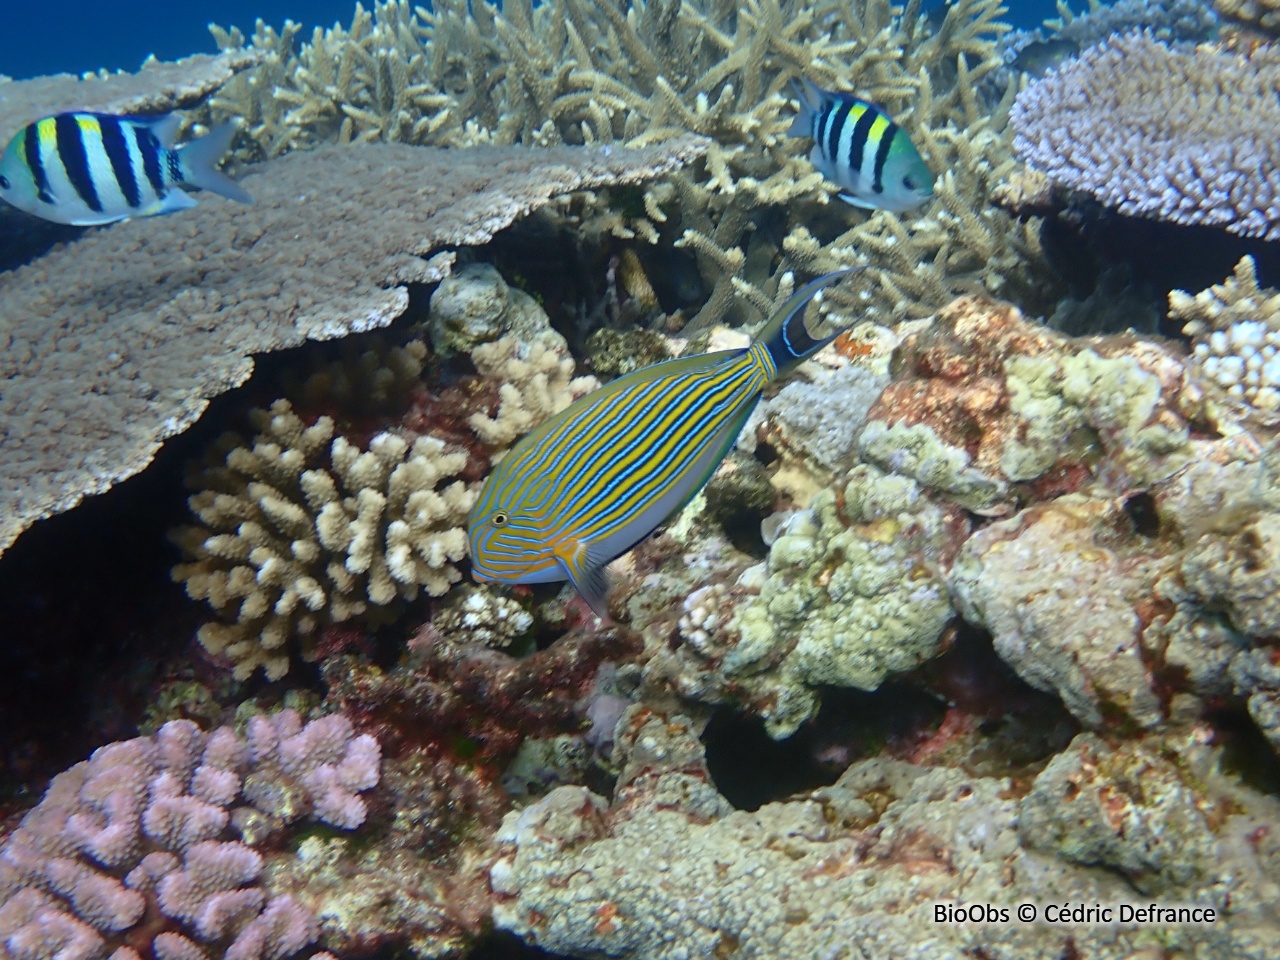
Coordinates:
<point>573,72</point>
<point>141,848</point>
<point>305,528</point>
<point>1235,329</point>
<point>1156,132</point>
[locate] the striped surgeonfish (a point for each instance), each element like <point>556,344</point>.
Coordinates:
<point>857,147</point>
<point>92,168</point>
<point>592,482</point>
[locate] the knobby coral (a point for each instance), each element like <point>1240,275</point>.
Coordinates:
<point>177,306</point>
<point>304,528</point>
<point>145,849</point>
<point>1152,131</point>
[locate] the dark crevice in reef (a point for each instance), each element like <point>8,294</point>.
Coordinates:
<point>1156,257</point>
<point>965,708</point>
<point>504,946</point>
<point>1246,752</point>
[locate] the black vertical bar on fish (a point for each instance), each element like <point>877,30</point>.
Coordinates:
<point>149,147</point>
<point>882,155</point>
<point>858,142</point>
<point>35,163</point>
<point>75,159</point>
<point>840,116</point>
<point>117,148</point>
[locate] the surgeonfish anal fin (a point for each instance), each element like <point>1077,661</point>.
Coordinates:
<point>200,159</point>
<point>785,335</point>
<point>587,574</point>
<point>856,201</point>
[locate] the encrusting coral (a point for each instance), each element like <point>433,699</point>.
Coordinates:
<point>571,72</point>
<point>148,847</point>
<point>1152,131</point>
<point>303,529</point>
<point>179,305</point>
<point>898,840</point>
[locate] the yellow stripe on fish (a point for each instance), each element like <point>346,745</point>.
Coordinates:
<point>595,480</point>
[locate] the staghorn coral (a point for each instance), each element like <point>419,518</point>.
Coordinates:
<point>573,72</point>
<point>1160,133</point>
<point>139,849</point>
<point>303,529</point>
<point>157,87</point>
<point>1261,15</point>
<point>177,306</point>
<point>1235,333</point>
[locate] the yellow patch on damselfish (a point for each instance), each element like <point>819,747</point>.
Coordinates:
<point>878,128</point>
<point>47,131</point>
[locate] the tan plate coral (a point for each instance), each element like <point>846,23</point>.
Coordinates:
<point>150,318</point>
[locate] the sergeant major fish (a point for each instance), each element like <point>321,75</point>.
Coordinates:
<point>857,147</point>
<point>93,168</point>
<point>592,482</point>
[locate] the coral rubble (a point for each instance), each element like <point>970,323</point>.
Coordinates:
<point>177,305</point>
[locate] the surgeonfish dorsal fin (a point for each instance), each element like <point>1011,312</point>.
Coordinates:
<point>785,335</point>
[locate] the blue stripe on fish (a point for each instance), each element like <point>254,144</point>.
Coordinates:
<point>149,148</point>
<point>595,480</point>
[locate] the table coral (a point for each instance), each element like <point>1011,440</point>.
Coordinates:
<point>848,597</point>
<point>303,528</point>
<point>179,305</point>
<point>667,871</point>
<point>138,851</point>
<point>1140,126</point>
<point>157,87</point>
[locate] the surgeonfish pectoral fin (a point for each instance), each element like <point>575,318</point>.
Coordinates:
<point>856,201</point>
<point>588,576</point>
<point>200,159</point>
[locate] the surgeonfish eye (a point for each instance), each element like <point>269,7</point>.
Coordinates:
<point>4,183</point>
<point>499,519</point>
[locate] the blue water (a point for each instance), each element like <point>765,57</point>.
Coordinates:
<point>119,34</point>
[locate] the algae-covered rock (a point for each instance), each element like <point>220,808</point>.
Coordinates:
<point>475,305</point>
<point>849,595</point>
<point>858,869</point>
<point>1058,587</point>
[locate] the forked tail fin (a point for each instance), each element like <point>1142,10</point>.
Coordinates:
<point>785,335</point>
<point>200,159</point>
